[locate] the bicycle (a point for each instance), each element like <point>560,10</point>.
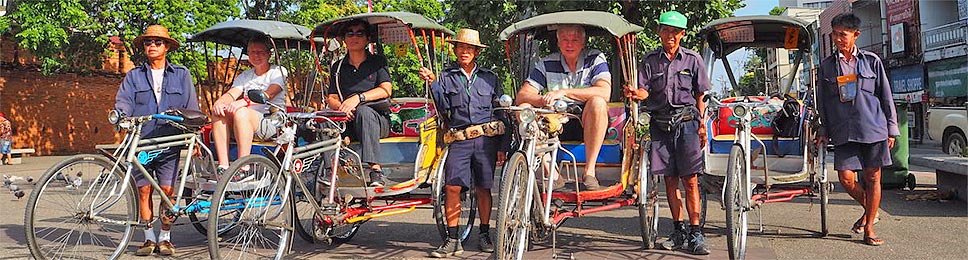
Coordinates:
<point>91,195</point>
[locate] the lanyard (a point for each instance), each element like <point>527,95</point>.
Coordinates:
<point>469,81</point>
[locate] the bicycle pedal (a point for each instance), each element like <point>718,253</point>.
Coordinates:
<point>330,209</point>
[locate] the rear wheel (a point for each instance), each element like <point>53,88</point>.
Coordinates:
<point>201,169</point>
<point>825,188</point>
<point>256,189</point>
<point>648,195</point>
<point>513,215</point>
<point>59,222</point>
<point>736,201</point>
<point>954,142</point>
<point>468,205</point>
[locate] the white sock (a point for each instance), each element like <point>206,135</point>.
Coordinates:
<point>165,235</point>
<point>150,235</point>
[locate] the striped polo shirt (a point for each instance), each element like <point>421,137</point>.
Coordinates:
<point>551,73</point>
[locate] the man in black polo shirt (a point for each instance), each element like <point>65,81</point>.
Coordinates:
<point>360,86</point>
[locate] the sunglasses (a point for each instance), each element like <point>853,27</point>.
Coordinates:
<point>156,42</point>
<point>360,33</point>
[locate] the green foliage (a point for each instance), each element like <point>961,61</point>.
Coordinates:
<point>778,10</point>
<point>754,81</point>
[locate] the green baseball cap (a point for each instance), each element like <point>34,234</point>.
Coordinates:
<point>674,19</point>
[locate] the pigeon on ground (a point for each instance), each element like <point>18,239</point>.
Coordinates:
<point>7,182</point>
<point>30,179</point>
<point>13,187</point>
<point>19,194</point>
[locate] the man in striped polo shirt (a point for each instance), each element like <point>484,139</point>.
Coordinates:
<point>580,77</point>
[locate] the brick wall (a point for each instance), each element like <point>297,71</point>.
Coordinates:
<point>58,114</point>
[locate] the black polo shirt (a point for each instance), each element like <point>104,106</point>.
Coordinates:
<point>352,80</point>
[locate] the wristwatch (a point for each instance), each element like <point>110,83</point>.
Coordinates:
<point>362,97</point>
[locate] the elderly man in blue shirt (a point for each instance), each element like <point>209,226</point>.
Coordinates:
<point>579,76</point>
<point>857,110</point>
<point>149,89</point>
<point>465,98</point>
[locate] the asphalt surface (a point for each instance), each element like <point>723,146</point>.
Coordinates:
<point>913,230</point>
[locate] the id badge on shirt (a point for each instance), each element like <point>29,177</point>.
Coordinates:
<point>847,85</point>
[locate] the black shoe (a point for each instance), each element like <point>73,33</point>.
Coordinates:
<point>677,239</point>
<point>377,178</point>
<point>697,243</point>
<point>486,245</point>
<point>450,247</point>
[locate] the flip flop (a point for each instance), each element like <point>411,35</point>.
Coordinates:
<point>873,241</point>
<point>859,227</point>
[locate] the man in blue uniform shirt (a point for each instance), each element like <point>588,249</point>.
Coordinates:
<point>672,81</point>
<point>149,89</point>
<point>854,97</point>
<point>465,96</point>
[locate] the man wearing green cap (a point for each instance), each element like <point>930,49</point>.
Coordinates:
<point>672,81</point>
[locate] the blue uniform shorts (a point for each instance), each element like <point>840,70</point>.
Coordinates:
<point>5,145</point>
<point>676,153</point>
<point>472,162</point>
<point>859,156</point>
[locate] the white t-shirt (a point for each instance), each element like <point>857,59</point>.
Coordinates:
<point>157,77</point>
<point>248,80</point>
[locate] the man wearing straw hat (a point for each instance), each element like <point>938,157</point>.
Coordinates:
<point>676,79</point>
<point>465,96</point>
<point>581,77</point>
<point>148,89</point>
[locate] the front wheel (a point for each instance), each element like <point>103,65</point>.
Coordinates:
<point>648,205</point>
<point>468,205</point>
<point>736,202</point>
<point>77,210</point>
<point>256,189</point>
<point>514,209</point>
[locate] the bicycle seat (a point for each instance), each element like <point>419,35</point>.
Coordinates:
<point>335,115</point>
<point>194,119</point>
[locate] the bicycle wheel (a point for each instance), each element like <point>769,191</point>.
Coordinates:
<point>262,198</point>
<point>59,221</point>
<point>305,213</point>
<point>825,188</point>
<point>648,195</point>
<point>513,215</point>
<point>736,202</point>
<point>468,206</point>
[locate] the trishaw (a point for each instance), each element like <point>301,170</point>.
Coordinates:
<point>529,210</point>
<point>277,196</point>
<point>788,167</point>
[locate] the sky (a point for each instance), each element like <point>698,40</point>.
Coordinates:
<point>739,57</point>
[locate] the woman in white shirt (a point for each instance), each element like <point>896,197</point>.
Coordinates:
<point>233,111</point>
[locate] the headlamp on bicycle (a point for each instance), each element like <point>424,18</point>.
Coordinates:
<point>526,116</point>
<point>644,118</point>
<point>115,116</point>
<point>740,111</point>
<point>269,127</point>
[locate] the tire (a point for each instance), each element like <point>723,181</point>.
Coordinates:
<point>468,203</point>
<point>513,215</point>
<point>648,196</point>
<point>954,142</point>
<point>825,188</point>
<point>202,167</point>
<point>736,201</point>
<point>305,213</point>
<point>261,222</point>
<point>52,214</point>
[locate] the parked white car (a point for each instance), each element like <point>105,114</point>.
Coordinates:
<point>950,125</point>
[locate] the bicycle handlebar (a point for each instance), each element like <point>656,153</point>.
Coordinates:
<point>168,117</point>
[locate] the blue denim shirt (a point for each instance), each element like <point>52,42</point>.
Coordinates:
<point>871,117</point>
<point>136,98</point>
<point>672,83</point>
<point>465,102</point>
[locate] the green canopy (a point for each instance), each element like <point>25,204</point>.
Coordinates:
<point>768,31</point>
<point>237,33</point>
<point>599,23</point>
<point>382,20</point>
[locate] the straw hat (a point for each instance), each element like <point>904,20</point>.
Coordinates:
<point>157,31</point>
<point>468,36</point>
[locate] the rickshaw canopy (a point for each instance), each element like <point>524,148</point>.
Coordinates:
<point>600,23</point>
<point>237,33</point>
<point>768,31</point>
<point>390,25</point>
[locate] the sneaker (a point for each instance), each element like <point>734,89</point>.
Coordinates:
<point>377,178</point>
<point>676,240</point>
<point>450,247</point>
<point>147,248</point>
<point>697,243</point>
<point>591,183</point>
<point>486,245</point>
<point>166,248</point>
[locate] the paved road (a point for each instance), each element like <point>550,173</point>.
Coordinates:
<point>913,230</point>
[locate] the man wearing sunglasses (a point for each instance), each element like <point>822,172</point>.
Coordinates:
<point>149,89</point>
<point>360,87</point>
